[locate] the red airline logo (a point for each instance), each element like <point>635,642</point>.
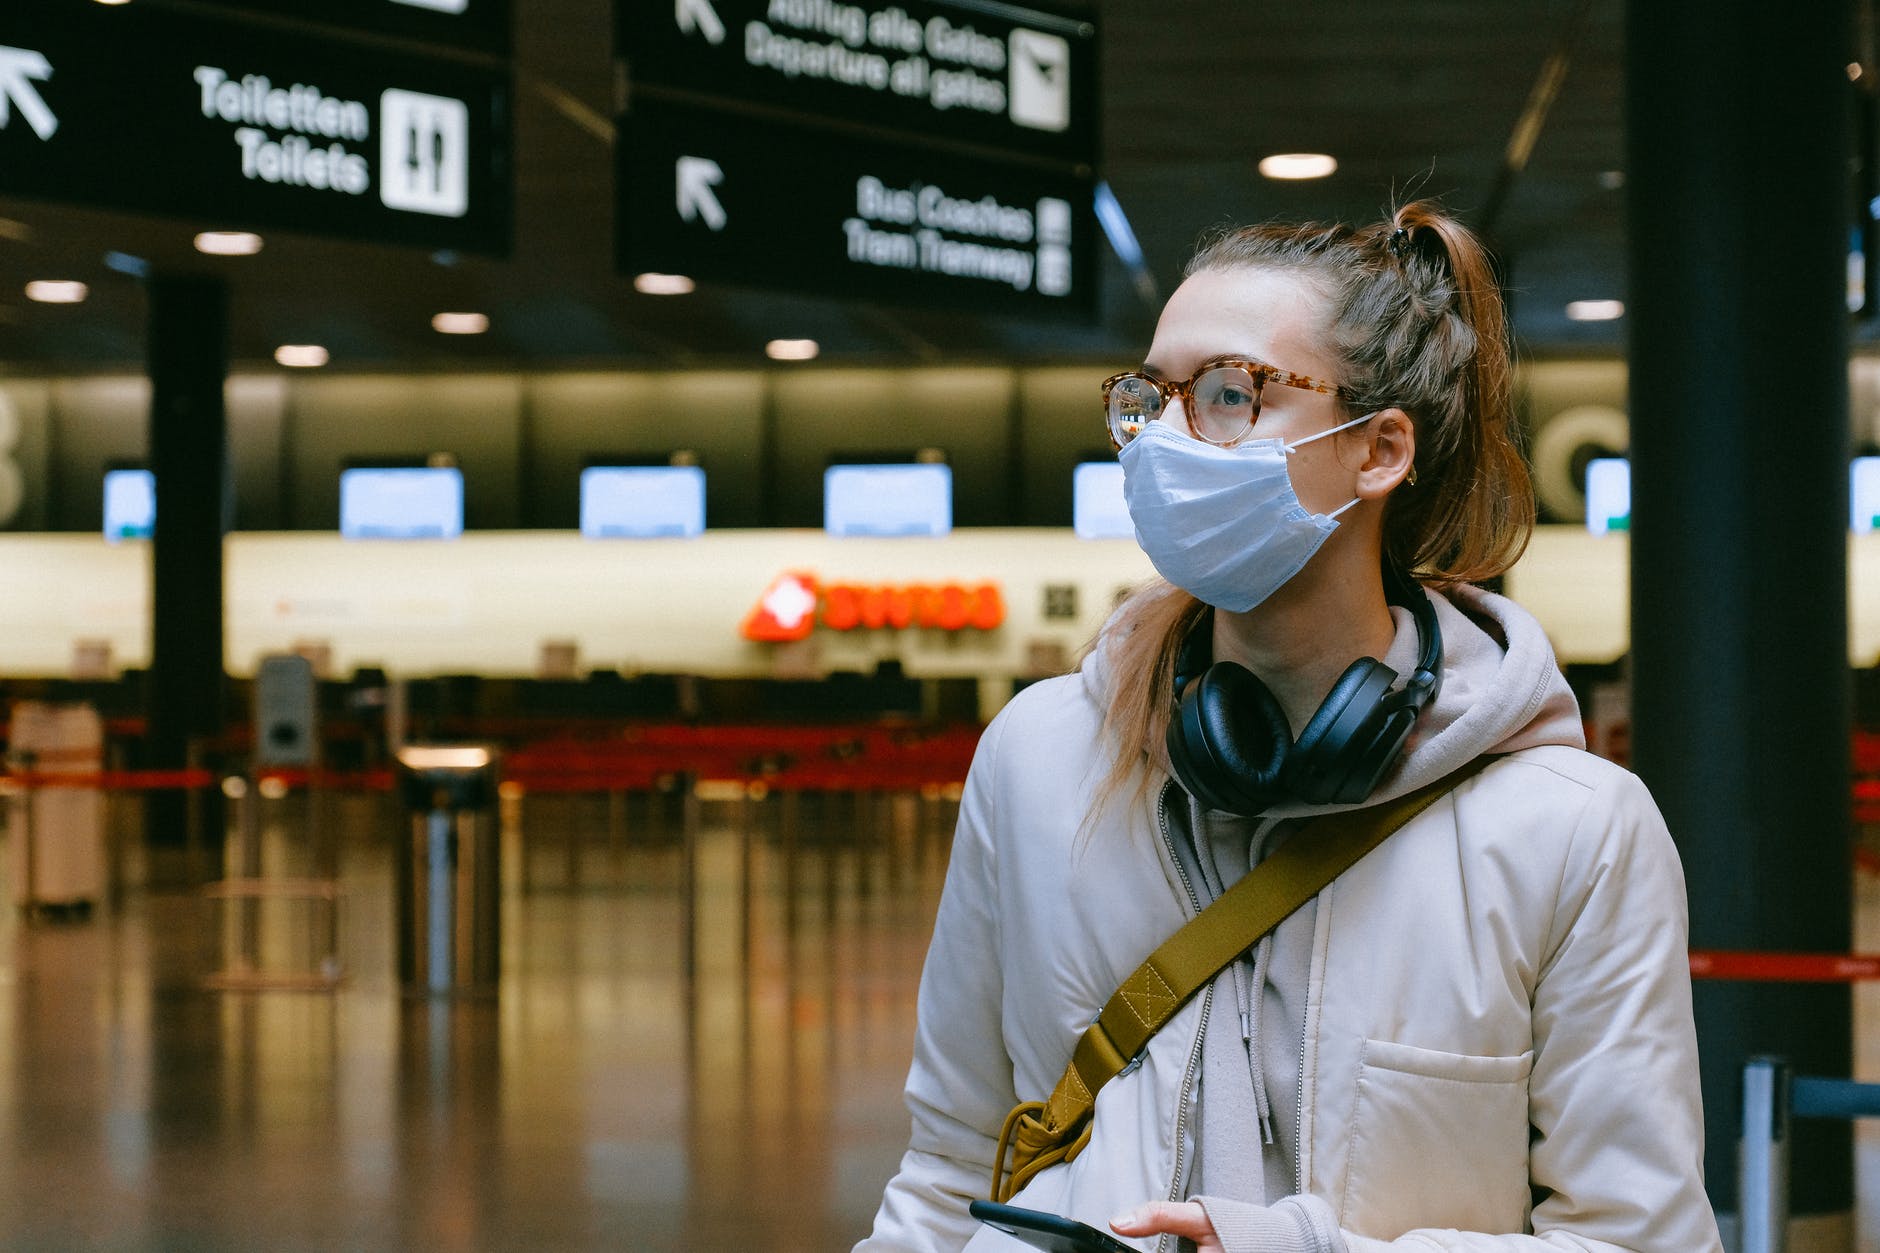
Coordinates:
<point>795,604</point>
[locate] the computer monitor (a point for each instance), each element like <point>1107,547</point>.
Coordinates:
<point>642,502</point>
<point>130,504</point>
<point>1863,491</point>
<point>1608,495</point>
<point>401,502</point>
<point>905,499</point>
<point>1098,509</point>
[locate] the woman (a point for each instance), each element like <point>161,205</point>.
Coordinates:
<point>1477,1038</point>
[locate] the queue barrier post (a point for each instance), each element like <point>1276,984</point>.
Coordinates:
<point>1762,1196</point>
<point>1772,1097</point>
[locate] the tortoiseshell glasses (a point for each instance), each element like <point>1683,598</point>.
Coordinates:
<point>1222,399</point>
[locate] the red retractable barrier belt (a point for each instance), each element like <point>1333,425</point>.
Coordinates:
<point>113,780</point>
<point>1784,967</point>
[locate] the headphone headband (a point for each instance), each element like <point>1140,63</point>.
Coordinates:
<point>1426,681</point>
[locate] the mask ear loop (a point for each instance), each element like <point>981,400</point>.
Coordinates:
<point>1297,444</point>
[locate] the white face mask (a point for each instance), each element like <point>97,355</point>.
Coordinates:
<point>1223,524</point>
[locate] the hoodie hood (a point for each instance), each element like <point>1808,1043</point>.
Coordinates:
<point>1502,691</point>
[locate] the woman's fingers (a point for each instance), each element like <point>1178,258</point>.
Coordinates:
<point>1182,1218</point>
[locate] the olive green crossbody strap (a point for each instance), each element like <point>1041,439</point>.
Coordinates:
<point>1038,1134</point>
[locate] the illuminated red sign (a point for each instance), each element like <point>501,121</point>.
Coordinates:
<point>795,603</point>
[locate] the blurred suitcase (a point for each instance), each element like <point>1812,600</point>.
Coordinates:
<point>56,834</point>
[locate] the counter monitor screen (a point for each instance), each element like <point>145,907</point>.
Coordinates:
<point>1864,494</point>
<point>401,502</point>
<point>642,502</point>
<point>902,499</point>
<point>1608,495</point>
<point>1098,509</point>
<point>130,504</point>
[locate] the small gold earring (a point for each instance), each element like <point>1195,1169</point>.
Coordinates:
<point>1413,474</point>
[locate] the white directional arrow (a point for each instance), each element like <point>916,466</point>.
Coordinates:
<point>18,68</point>
<point>697,177</point>
<point>698,15</point>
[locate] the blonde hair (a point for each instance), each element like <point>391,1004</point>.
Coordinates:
<point>1418,324</point>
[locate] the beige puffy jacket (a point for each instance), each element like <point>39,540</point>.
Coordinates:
<point>1497,1052</point>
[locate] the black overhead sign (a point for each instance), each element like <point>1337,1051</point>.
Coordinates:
<point>936,153</point>
<point>741,201</point>
<point>482,25</point>
<point>991,75</point>
<point>233,125</point>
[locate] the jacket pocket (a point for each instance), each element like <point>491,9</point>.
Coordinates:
<point>1437,1140</point>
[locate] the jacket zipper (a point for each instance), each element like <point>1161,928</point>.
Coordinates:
<point>1181,1108</point>
<point>1168,842</point>
<point>1299,1122</point>
<point>1207,1006</point>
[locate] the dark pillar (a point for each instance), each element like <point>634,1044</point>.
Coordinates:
<point>1737,137</point>
<point>189,454</point>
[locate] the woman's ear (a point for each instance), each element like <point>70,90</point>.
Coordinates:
<point>1393,454</point>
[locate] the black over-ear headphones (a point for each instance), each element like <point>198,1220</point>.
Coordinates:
<point>1233,750</point>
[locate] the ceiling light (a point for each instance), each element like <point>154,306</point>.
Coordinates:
<point>228,243</point>
<point>1595,310</point>
<point>57,291</point>
<point>114,1</point>
<point>300,356</point>
<point>460,323</point>
<point>1298,165</point>
<point>792,349</point>
<point>18,232</point>
<point>1612,180</point>
<point>1853,71</point>
<point>663,284</point>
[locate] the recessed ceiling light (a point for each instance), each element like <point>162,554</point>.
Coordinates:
<point>663,284</point>
<point>114,1</point>
<point>792,349</point>
<point>1853,71</point>
<point>1595,310</point>
<point>228,243</point>
<point>300,356</point>
<point>1294,165</point>
<point>57,291</point>
<point>460,323</point>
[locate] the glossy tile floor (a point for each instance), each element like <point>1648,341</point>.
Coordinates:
<point>723,1074</point>
<point>697,1045</point>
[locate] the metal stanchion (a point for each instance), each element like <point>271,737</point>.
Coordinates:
<point>1772,1098</point>
<point>1763,1157</point>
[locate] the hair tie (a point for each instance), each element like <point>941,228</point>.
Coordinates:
<point>1399,242</point>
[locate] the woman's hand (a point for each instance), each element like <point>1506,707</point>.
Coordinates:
<point>1182,1218</point>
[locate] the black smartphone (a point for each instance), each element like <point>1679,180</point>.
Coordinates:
<point>1053,1233</point>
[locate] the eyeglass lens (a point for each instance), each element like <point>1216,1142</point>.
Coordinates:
<point>1226,400</point>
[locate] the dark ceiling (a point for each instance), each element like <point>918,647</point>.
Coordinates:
<point>1411,96</point>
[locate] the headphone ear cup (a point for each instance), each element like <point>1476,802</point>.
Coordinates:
<point>1229,741</point>
<point>1341,753</point>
